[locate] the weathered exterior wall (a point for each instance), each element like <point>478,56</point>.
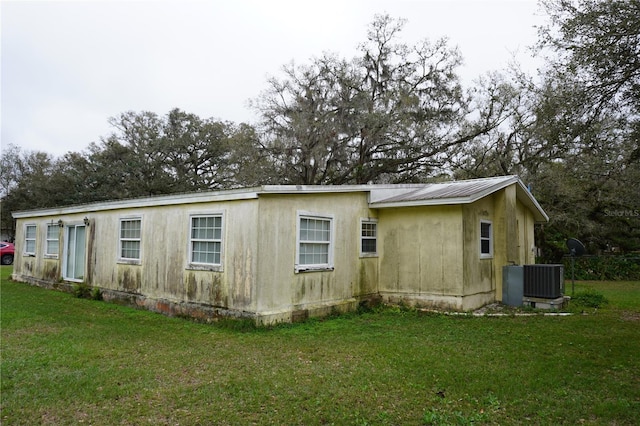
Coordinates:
<point>526,235</point>
<point>421,255</point>
<point>479,273</point>
<point>427,255</point>
<point>163,272</point>
<point>282,294</point>
<point>483,276</point>
<point>46,269</point>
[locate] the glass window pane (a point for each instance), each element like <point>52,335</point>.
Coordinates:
<point>52,247</point>
<point>206,236</point>
<point>368,245</point>
<point>314,235</point>
<point>314,254</point>
<point>485,230</point>
<point>130,228</point>
<point>130,249</point>
<point>315,229</point>
<point>52,232</point>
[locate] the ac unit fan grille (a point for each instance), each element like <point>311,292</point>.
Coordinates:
<point>543,281</point>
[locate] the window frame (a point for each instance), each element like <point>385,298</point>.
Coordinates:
<point>217,267</point>
<point>28,239</point>
<point>129,260</point>
<point>49,240</point>
<point>368,221</point>
<point>310,267</point>
<point>484,255</point>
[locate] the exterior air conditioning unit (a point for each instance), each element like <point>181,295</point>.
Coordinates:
<point>544,281</point>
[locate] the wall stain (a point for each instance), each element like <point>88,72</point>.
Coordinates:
<point>192,287</point>
<point>91,251</point>
<point>51,271</point>
<point>216,293</point>
<point>130,279</point>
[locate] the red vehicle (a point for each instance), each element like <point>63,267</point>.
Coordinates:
<point>7,251</point>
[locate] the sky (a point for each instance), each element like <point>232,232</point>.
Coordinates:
<point>68,66</point>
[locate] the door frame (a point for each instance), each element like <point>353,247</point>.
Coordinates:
<point>67,246</point>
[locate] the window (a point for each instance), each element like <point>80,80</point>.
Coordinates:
<point>130,230</point>
<point>206,239</point>
<point>368,237</point>
<point>315,246</point>
<point>53,243</point>
<point>486,239</point>
<point>30,240</point>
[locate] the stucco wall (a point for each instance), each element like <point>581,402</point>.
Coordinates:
<point>479,276</point>
<point>280,289</point>
<point>513,241</point>
<point>427,255</point>
<point>526,236</point>
<point>421,255</point>
<point>163,271</point>
<point>40,267</point>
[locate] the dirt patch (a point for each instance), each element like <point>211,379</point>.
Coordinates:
<point>631,316</point>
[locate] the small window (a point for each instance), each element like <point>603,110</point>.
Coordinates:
<point>53,243</point>
<point>30,240</point>
<point>206,240</point>
<point>130,238</point>
<point>486,239</point>
<point>315,247</point>
<point>368,237</point>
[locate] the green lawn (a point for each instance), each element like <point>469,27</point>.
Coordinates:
<point>71,361</point>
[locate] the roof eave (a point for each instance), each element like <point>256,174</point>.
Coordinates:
<point>418,203</point>
<point>165,200</point>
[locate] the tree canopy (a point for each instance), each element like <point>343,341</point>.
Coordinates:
<point>398,112</point>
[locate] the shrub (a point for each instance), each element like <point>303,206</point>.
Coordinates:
<point>81,291</point>
<point>84,291</point>
<point>600,268</point>
<point>96,294</point>
<point>589,299</point>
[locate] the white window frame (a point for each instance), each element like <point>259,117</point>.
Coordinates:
<point>131,260</point>
<point>489,238</point>
<point>218,267</point>
<point>329,266</point>
<point>28,239</point>
<point>368,221</point>
<point>50,239</point>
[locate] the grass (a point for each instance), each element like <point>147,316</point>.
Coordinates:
<point>76,361</point>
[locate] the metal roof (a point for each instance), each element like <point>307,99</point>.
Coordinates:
<point>380,196</point>
<point>461,190</point>
<point>455,192</point>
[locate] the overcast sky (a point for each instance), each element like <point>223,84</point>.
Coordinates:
<point>67,66</point>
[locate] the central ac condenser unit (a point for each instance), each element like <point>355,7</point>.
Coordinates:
<point>543,281</point>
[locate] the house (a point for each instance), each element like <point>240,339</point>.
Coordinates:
<point>282,253</point>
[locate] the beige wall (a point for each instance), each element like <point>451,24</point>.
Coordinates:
<point>39,266</point>
<point>479,275</point>
<point>427,255</point>
<point>163,271</point>
<point>280,288</point>
<point>513,233</point>
<point>259,244</point>
<point>526,237</point>
<point>422,254</point>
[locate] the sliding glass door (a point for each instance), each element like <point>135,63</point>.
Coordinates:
<point>75,253</point>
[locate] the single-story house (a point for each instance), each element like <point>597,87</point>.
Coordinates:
<point>279,253</point>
